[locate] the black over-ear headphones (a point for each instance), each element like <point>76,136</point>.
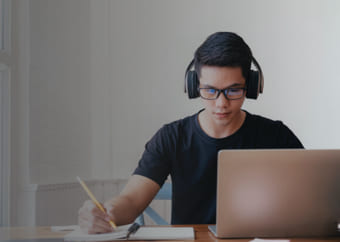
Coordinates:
<point>254,81</point>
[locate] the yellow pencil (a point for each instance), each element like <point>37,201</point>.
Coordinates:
<point>94,200</point>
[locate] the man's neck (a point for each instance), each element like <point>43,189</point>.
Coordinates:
<point>218,131</point>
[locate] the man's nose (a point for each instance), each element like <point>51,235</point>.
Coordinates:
<point>222,101</point>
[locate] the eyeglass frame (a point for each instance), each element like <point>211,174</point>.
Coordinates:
<point>225,92</point>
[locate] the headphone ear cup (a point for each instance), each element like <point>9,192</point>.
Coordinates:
<point>192,84</point>
<point>253,83</point>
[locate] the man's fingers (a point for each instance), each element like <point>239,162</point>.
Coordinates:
<point>92,220</point>
<point>94,225</point>
<point>90,207</point>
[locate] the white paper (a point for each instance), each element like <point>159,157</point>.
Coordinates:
<point>163,233</point>
<point>79,235</point>
<point>143,233</point>
<point>269,240</point>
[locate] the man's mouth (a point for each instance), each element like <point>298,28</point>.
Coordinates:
<point>222,114</point>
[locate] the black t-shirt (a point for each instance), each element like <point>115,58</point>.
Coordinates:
<point>184,151</point>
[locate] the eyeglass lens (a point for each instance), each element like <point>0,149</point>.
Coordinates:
<point>229,93</point>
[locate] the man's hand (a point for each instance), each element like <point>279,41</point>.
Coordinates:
<point>92,220</point>
<point>123,209</point>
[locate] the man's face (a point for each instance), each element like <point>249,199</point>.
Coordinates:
<point>222,112</point>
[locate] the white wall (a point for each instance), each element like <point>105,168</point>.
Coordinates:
<point>104,76</point>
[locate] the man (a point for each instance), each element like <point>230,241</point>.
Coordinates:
<point>187,149</point>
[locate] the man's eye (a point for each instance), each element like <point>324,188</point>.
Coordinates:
<point>210,90</point>
<point>235,90</point>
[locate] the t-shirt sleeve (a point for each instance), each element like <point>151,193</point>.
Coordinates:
<point>156,159</point>
<point>287,139</point>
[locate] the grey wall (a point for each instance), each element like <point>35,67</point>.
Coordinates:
<point>104,76</point>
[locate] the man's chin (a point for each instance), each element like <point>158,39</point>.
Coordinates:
<point>223,117</point>
<point>222,122</point>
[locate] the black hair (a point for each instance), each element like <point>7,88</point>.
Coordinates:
<point>223,49</point>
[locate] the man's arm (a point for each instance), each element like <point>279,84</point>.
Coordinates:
<point>135,197</point>
<point>123,209</point>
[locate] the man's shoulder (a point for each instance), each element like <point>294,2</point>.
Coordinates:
<point>272,132</point>
<point>171,133</point>
<point>261,121</point>
<point>260,124</point>
<point>181,124</point>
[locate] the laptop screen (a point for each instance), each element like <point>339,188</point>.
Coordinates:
<point>278,193</point>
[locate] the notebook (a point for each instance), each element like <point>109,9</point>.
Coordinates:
<point>143,233</point>
<point>278,193</point>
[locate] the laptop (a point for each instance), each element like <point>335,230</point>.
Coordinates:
<point>277,193</point>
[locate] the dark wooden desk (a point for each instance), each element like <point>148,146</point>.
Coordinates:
<point>201,234</point>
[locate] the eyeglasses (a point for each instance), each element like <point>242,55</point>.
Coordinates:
<point>231,93</point>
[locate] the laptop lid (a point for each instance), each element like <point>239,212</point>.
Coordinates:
<point>278,193</point>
